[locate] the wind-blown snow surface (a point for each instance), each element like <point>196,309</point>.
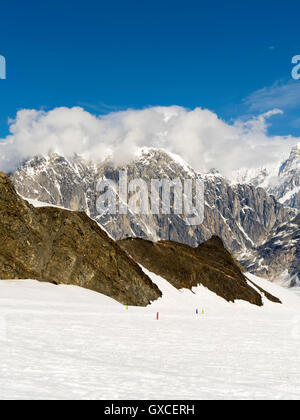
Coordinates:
<point>65,342</point>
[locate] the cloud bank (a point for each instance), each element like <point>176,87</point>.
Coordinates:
<point>197,135</point>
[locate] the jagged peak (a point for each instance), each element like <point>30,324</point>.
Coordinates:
<point>293,162</point>
<point>165,160</point>
<point>295,152</point>
<point>297,147</point>
<point>213,174</point>
<point>215,241</point>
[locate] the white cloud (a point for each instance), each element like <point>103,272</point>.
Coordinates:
<point>197,135</point>
<point>279,95</point>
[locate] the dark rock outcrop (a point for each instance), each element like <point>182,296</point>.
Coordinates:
<point>210,265</point>
<point>59,246</point>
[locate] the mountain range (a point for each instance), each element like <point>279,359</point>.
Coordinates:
<point>282,181</point>
<point>60,246</point>
<point>247,212</point>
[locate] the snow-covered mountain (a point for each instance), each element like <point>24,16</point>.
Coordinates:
<point>278,258</point>
<point>241,215</point>
<point>288,189</point>
<point>283,180</point>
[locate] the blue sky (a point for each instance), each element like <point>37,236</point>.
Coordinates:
<point>233,58</point>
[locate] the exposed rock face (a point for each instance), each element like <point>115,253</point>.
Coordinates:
<point>282,181</point>
<point>56,180</point>
<point>210,264</point>
<point>60,246</point>
<point>247,213</point>
<point>241,214</point>
<point>288,189</point>
<point>279,256</point>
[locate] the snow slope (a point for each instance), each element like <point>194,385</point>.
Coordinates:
<point>66,342</point>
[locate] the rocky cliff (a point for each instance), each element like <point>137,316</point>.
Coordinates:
<point>282,180</point>
<point>60,246</point>
<point>278,258</point>
<point>210,265</point>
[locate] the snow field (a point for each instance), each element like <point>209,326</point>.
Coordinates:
<point>62,342</point>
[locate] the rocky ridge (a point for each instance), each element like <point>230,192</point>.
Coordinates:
<point>64,247</point>
<point>282,181</point>
<point>210,265</point>
<point>278,258</point>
